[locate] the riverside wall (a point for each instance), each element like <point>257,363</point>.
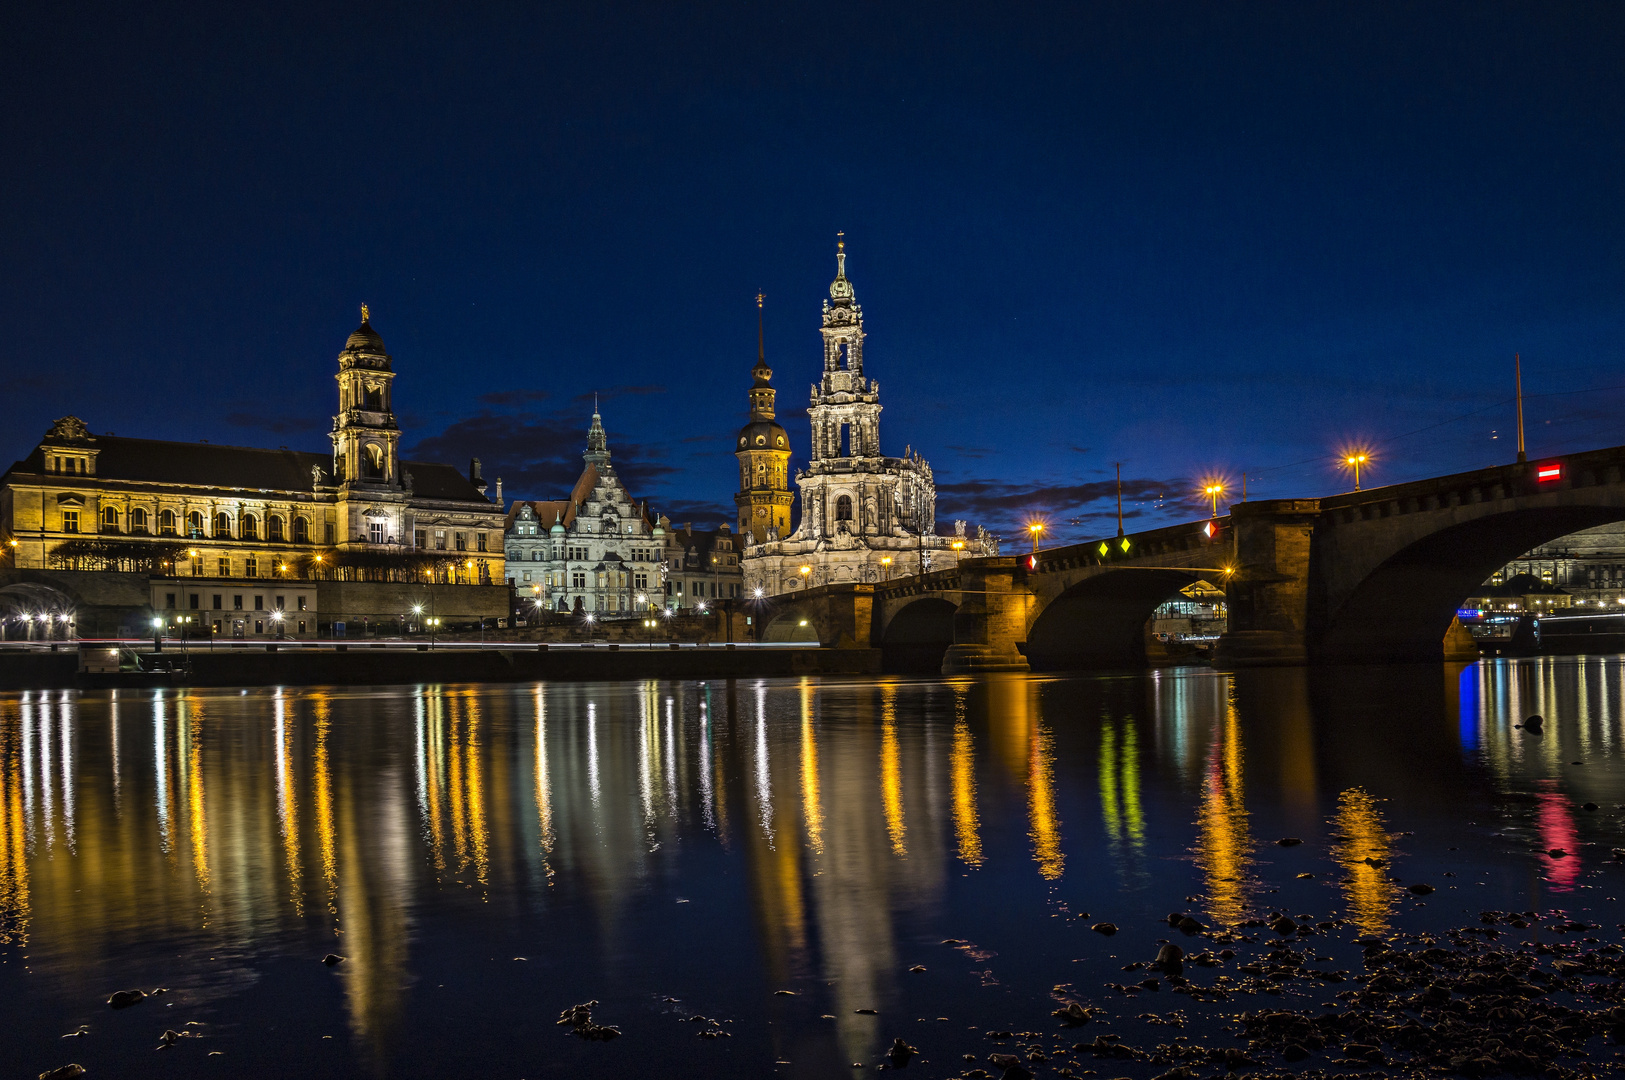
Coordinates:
<point>358,665</point>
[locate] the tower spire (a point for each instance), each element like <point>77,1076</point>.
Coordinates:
<point>761,342</point>
<point>840,254</point>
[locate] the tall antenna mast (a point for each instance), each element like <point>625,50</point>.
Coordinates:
<point>1119,465</point>
<point>1517,374</point>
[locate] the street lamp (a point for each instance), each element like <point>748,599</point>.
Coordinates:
<point>1036,529</point>
<point>1213,488</point>
<point>1353,459</point>
<point>885,563</point>
<point>757,592</point>
<point>805,570</point>
<point>276,618</point>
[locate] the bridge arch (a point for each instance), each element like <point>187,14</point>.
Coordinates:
<point>1100,621</point>
<point>1402,607</point>
<point>794,623</point>
<point>918,635</point>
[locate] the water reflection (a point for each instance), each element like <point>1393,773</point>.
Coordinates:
<point>846,815</point>
<point>1223,844</point>
<point>1362,850</point>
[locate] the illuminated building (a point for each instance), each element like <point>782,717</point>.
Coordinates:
<point>864,516</point>
<point>763,449</point>
<point>182,510</point>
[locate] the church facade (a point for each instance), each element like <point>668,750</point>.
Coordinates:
<point>865,517</point>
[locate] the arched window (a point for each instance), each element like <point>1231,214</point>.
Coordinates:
<point>110,519</point>
<point>138,520</point>
<point>301,531</point>
<point>372,462</point>
<point>222,526</point>
<point>273,528</point>
<point>843,508</point>
<point>251,527</point>
<point>373,399</point>
<point>166,523</point>
<point>194,525</point>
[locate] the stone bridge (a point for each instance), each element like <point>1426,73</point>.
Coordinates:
<point>1368,576</point>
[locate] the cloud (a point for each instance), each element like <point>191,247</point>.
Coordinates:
<point>683,511</point>
<point>539,457</point>
<point>277,425</point>
<point>513,397</point>
<point>971,451</point>
<point>1004,507</point>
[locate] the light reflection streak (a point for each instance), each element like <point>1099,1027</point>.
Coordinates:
<point>891,772</point>
<point>160,770</point>
<point>707,794</point>
<point>287,807</point>
<point>47,773</point>
<point>592,751</point>
<point>1224,843</point>
<point>1361,848</point>
<point>14,898</point>
<point>1045,822</point>
<point>65,722</point>
<point>544,792</point>
<point>812,809</point>
<point>1555,820</point>
<point>323,782</point>
<point>967,825</point>
<point>764,785</point>
<point>197,821</point>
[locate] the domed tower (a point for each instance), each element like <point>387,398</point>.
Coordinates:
<point>366,439</point>
<point>763,449</point>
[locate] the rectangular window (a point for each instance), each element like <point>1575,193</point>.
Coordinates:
<point>259,603</point>
<point>259,627</point>
<point>251,566</point>
<point>216,599</point>
<point>375,531</point>
<point>460,539</point>
<point>479,541</point>
<point>420,538</point>
<point>191,601</point>
<point>225,566</point>
<point>280,606</point>
<point>440,539</point>
<point>70,521</point>
<point>301,603</point>
<point>640,581</point>
<point>301,626</point>
<point>578,580</point>
<point>327,531</point>
<point>237,603</point>
<point>169,600</point>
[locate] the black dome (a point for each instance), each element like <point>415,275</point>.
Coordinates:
<point>762,435</point>
<point>365,339</point>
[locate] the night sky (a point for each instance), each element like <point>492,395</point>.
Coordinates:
<point>1193,238</point>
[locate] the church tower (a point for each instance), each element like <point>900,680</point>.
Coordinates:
<point>763,450</point>
<point>366,439</point>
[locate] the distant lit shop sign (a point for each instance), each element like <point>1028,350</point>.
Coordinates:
<point>1547,473</point>
<point>1468,613</point>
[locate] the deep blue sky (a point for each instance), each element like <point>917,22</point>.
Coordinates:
<point>1190,237</point>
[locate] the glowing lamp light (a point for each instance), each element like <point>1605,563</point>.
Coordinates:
<point>1545,474</point>
<point>758,591</point>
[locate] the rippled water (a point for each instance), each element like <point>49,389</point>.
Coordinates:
<point>485,856</point>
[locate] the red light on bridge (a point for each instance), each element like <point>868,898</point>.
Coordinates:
<point>1547,473</point>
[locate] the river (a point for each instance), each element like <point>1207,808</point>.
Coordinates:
<point>737,871</point>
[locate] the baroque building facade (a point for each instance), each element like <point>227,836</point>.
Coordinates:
<point>865,517</point>
<point>178,510</point>
<point>597,552</point>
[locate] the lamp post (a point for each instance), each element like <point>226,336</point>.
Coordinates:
<point>805,580</point>
<point>1213,489</point>
<point>1353,460</point>
<point>1036,529</point>
<point>885,567</point>
<point>157,635</point>
<point>276,620</point>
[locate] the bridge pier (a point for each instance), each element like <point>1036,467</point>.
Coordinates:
<point>1268,595</point>
<point>990,624</point>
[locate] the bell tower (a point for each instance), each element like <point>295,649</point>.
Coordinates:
<point>764,498</point>
<point>366,439</point>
